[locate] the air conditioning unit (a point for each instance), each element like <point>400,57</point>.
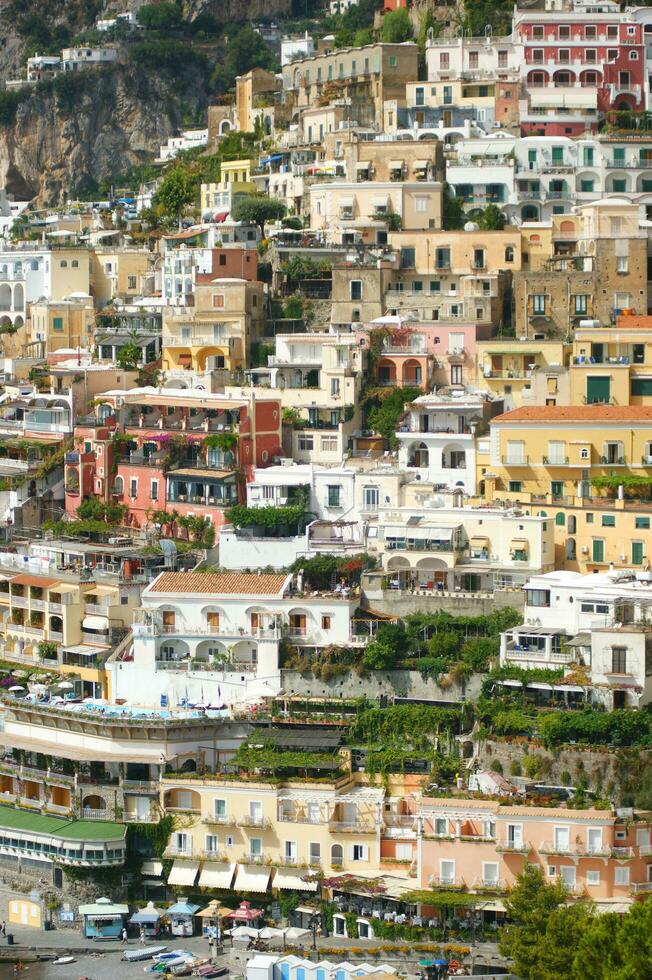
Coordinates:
<point>584,549</point>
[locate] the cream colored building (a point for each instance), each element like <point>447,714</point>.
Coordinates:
<point>344,212</point>
<point>119,273</point>
<point>65,323</point>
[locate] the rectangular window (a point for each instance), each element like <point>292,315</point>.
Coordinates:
<point>219,809</point>
<point>637,552</point>
<point>326,622</point>
<point>515,486</point>
<point>370,498</point>
<point>537,597</point>
<point>642,523</point>
<point>218,301</point>
<point>608,520</point>
<point>57,323</point>
<point>154,490</point>
<point>489,872</point>
<point>621,876</point>
<point>447,871</point>
<point>133,489</point>
<point>359,852</point>
<point>131,282</point>
<point>442,258</point>
<point>539,304</point>
<point>356,289</point>
<point>421,204</point>
<point>328,444</point>
<point>622,261</point>
<point>212,843</point>
<point>558,155</point>
<point>581,303</point>
<point>592,878</point>
<point>314,852</point>
<point>456,374</point>
<point>305,442</point>
<point>333,496</point>
<point>441,827</point>
<point>255,847</point>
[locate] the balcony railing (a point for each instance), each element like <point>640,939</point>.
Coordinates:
<point>222,820</point>
<point>174,851</point>
<point>513,846</point>
<point>251,820</point>
<point>352,827</point>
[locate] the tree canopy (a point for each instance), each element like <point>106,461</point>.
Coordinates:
<point>175,191</point>
<point>397,26</point>
<point>258,210</point>
<point>244,50</point>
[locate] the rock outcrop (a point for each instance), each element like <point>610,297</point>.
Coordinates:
<point>116,118</point>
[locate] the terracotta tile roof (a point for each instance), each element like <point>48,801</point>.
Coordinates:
<point>235,583</point>
<point>37,580</point>
<point>578,413</point>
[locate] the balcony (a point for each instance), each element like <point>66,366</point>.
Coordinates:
<point>352,827</point>
<point>559,461</point>
<point>251,820</point>
<point>615,461</point>
<point>640,887</point>
<point>577,849</point>
<point>298,817</point>
<point>622,853</point>
<point>174,851</point>
<point>437,881</point>
<point>219,856</point>
<point>513,846</point>
<point>515,460</point>
<point>223,820</point>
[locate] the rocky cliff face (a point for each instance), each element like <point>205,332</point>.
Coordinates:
<point>116,119</point>
<point>228,11</point>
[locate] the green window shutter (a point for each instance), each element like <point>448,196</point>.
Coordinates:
<point>598,389</point>
<point>598,550</point>
<point>637,552</point>
<point>57,323</point>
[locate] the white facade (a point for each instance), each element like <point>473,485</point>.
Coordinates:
<point>215,638</point>
<point>601,622</point>
<point>74,59</point>
<point>473,57</point>
<point>180,267</point>
<point>189,140</point>
<point>437,439</point>
<point>296,47</point>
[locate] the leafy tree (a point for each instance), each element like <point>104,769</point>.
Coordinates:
<point>129,356</point>
<point>397,26</point>
<point>258,210</point>
<point>175,191</point>
<point>616,947</point>
<point>384,417</point>
<point>160,16</point>
<point>453,216</point>
<point>244,50</point>
<point>529,909</point>
<point>492,219</point>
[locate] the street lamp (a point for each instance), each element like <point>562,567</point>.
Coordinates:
<point>314,922</point>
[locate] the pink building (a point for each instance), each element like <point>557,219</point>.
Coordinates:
<point>426,354</point>
<point>171,450</point>
<point>571,50</point>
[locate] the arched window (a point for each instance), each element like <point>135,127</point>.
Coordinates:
<point>570,549</point>
<point>560,519</point>
<point>75,264</point>
<point>64,263</point>
<point>118,485</point>
<point>509,253</point>
<point>337,854</point>
<point>542,513</point>
<point>572,524</point>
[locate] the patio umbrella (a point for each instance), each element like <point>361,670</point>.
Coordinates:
<point>16,687</point>
<point>270,933</point>
<point>244,932</point>
<point>295,935</point>
<point>66,686</point>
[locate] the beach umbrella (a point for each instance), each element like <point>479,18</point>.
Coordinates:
<point>66,686</point>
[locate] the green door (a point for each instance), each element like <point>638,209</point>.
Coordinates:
<point>637,552</point>
<point>598,389</point>
<point>598,550</point>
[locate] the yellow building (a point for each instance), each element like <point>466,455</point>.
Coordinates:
<point>512,369</point>
<point>254,835</point>
<point>578,465</point>
<point>613,365</point>
<point>253,91</point>
<point>119,273</point>
<point>235,181</point>
<point>216,333</point>
<point>64,624</point>
<point>58,324</point>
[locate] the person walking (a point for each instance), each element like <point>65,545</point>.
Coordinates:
<point>3,928</point>
<point>125,937</point>
<point>142,937</point>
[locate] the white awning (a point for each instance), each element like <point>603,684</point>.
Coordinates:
<point>479,539</point>
<point>421,164</point>
<point>345,202</point>
<point>95,623</point>
<point>291,878</point>
<point>183,873</point>
<point>217,876</point>
<point>380,202</point>
<point>363,165</point>
<point>540,686</point>
<point>252,879</point>
<point>571,688</point>
<point>395,164</point>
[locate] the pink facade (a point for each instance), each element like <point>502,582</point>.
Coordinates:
<point>162,461</point>
<point>597,52</point>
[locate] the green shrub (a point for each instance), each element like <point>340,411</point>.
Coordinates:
<point>497,766</point>
<point>515,768</point>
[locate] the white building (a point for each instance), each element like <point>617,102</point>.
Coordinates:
<point>602,623</point>
<point>215,637</point>
<point>74,59</point>
<point>42,66</point>
<point>473,57</point>
<point>190,139</point>
<point>296,47</point>
<point>128,19</point>
<point>438,437</point>
<point>438,548</point>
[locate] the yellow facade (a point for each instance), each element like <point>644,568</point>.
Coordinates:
<point>547,459</point>
<point>214,334</point>
<point>621,356</point>
<point>119,273</point>
<point>63,324</point>
<point>332,826</point>
<point>508,367</point>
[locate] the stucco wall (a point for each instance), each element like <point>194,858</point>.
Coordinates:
<point>400,683</point>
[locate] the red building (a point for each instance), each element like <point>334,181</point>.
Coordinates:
<point>597,59</point>
<point>190,452</point>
